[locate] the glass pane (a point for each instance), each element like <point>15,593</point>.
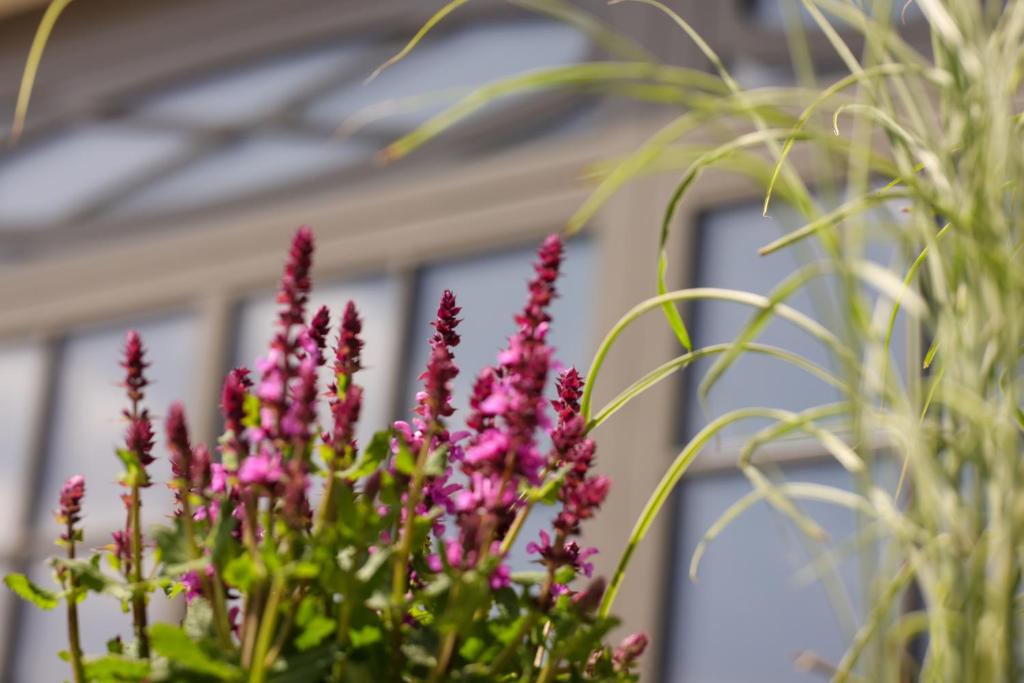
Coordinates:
<point>21,378</point>
<point>461,59</point>
<point>775,13</point>
<point>42,634</point>
<point>87,425</point>
<point>491,289</point>
<point>252,91</point>
<point>728,241</point>
<point>378,303</point>
<point>47,182</point>
<point>749,598</point>
<point>254,165</point>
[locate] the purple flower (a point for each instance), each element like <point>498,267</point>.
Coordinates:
<point>263,469</point>
<point>138,436</point>
<point>277,366</point>
<point>232,406</point>
<point>314,339</point>
<point>570,390</point>
<point>202,464</point>
<point>295,283</point>
<point>588,599</point>
<point>295,500</point>
<point>346,396</point>
<point>446,322</point>
<point>193,585</point>
<point>135,365</point>
<point>181,453</point>
<point>121,548</point>
<point>507,408</point>
<point>69,512</point>
<point>628,651</point>
<point>563,555</point>
<point>298,421</point>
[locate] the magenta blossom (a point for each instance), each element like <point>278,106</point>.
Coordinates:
<point>263,469</point>
<point>629,650</point>
<point>70,511</point>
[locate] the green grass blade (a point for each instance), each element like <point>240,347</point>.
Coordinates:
<point>799,490</point>
<point>849,208</point>
<point>576,75</point>
<point>908,279</point>
<point>35,56</point>
<point>787,313</point>
<point>433,21</point>
<point>667,484</point>
<point>680,362</point>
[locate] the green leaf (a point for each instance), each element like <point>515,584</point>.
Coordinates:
<point>472,648</point>
<point>175,645</point>
<point>91,577</point>
<point>364,636</point>
<point>371,457</point>
<point>114,667</point>
<point>528,578</point>
<point>133,473</point>
<point>303,570</point>
<point>26,590</point>
<point>313,633</point>
<point>436,463</point>
<point>252,411</point>
<point>240,572</point>
<point>171,544</point>
<point>405,461</point>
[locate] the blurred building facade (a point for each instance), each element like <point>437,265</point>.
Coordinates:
<point>171,149</point>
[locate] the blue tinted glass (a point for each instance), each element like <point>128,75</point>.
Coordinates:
<point>88,425</point>
<point>42,634</point>
<point>775,13</point>
<point>727,257</point>
<point>21,369</point>
<point>755,607</point>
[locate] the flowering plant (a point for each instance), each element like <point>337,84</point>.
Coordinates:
<point>304,555</point>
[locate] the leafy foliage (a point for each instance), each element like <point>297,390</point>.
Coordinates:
<point>395,571</point>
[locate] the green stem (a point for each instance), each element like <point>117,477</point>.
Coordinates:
<point>139,619</point>
<point>344,620</point>
<point>74,643</point>
<point>400,568</point>
<point>212,587</point>
<point>268,624</point>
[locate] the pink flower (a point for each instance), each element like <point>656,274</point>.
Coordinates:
<point>135,365</point>
<point>232,405</point>
<point>628,651</point>
<point>181,453</point>
<point>262,469</point>
<point>507,408</point>
<point>346,396</point>
<point>69,512</point>
<point>277,366</point>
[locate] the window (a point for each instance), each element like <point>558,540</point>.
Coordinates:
<point>753,611</point>
<point>85,425</point>
<point>22,379</point>
<point>260,126</point>
<point>774,14</point>
<point>755,593</point>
